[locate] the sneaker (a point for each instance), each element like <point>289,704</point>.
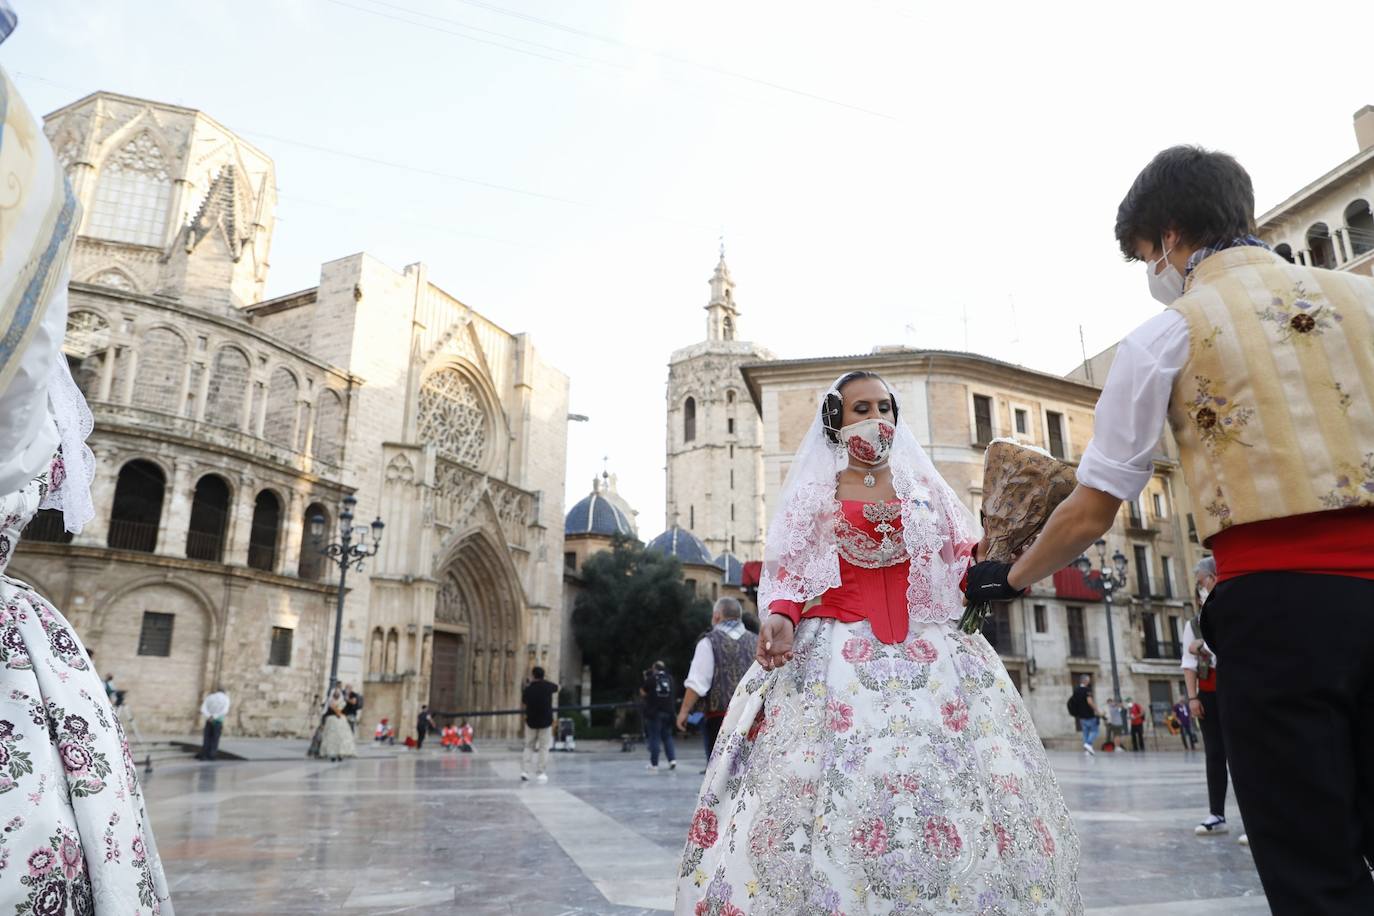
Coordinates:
<point>542,777</point>
<point>1244,840</point>
<point>524,777</point>
<point>651,767</point>
<point>1088,749</point>
<point>672,764</point>
<point>1212,825</point>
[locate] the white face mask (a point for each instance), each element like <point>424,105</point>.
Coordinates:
<point>1165,286</point>
<point>1202,594</point>
<point>869,441</point>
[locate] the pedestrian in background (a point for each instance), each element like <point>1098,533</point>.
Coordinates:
<point>424,724</point>
<point>1200,678</point>
<point>1185,724</point>
<point>353,704</point>
<point>465,737</point>
<point>1137,724</point>
<point>657,693</point>
<point>214,708</point>
<point>722,655</point>
<point>1082,708</point>
<point>537,702</point>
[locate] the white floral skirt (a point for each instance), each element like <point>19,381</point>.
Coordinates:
<point>74,834</point>
<point>336,738</point>
<point>871,778</point>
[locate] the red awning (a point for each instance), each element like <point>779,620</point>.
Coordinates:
<point>1069,584</point>
<point>749,576</point>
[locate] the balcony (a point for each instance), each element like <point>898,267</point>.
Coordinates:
<point>1007,644</point>
<point>1141,526</point>
<point>202,545</point>
<point>1162,649</point>
<point>47,526</point>
<point>1083,649</point>
<point>127,535</point>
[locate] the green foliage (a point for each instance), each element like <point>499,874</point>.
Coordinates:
<point>635,608</point>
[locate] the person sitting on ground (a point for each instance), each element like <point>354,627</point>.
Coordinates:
<point>448,738</point>
<point>465,737</point>
<point>384,734</point>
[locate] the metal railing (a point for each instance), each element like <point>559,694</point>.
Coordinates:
<point>47,526</point>
<point>262,556</point>
<point>1006,643</point>
<point>1083,648</point>
<point>130,535</point>
<point>205,545</point>
<point>1163,648</point>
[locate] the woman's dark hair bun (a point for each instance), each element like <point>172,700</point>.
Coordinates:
<point>832,408</point>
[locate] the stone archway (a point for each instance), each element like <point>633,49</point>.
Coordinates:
<point>477,634</point>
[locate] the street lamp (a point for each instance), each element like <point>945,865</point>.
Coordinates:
<point>345,552</point>
<point>1112,578</point>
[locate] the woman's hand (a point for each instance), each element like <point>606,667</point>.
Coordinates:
<point>1197,711</point>
<point>775,642</point>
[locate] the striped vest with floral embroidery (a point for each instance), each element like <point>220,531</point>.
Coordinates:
<point>1272,411</point>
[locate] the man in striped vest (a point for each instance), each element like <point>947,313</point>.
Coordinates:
<point>1265,372</point>
<point>723,654</point>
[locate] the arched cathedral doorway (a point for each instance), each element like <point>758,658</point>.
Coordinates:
<point>477,664</point>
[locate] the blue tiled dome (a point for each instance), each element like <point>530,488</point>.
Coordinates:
<point>683,544</point>
<point>596,515</point>
<point>734,569</point>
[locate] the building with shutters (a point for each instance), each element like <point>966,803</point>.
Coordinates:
<point>225,421</point>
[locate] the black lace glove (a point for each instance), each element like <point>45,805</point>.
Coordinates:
<point>987,581</point>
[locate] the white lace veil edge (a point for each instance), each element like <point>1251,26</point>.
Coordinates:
<point>801,557</point>
<point>72,495</point>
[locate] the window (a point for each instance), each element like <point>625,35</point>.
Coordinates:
<point>732,543</point>
<point>1161,701</point>
<point>732,512</point>
<point>732,451</point>
<point>155,636</point>
<point>1192,529</point>
<point>1022,422</point>
<point>1147,621</point>
<point>689,420</point>
<point>1175,642</point>
<point>262,536</point>
<point>1142,571</point>
<point>691,586</point>
<point>1078,633</point>
<point>1042,624</point>
<point>137,510</point>
<point>209,520</point>
<point>730,425</point>
<point>691,518</point>
<point>1135,514</point>
<point>1158,499</point>
<point>570,561</point>
<point>997,629</point>
<point>982,419</point>
<point>280,652</point>
<point>732,478</point>
<point>311,564</point>
<point>1054,423</point>
<point>730,396</point>
<point>132,195</point>
<point>1166,570</point>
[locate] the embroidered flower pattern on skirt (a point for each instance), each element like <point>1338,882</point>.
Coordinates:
<point>870,778</point>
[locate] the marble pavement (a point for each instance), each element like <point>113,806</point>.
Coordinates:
<point>437,832</point>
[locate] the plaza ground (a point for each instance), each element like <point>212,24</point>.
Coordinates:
<point>434,832</point>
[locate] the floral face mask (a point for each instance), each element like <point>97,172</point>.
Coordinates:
<point>869,441</point>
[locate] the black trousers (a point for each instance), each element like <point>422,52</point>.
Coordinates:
<point>1214,747</point>
<point>710,731</point>
<point>1137,737</point>
<point>209,744</point>
<point>1297,703</point>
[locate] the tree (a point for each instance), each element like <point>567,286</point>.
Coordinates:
<point>635,608</point>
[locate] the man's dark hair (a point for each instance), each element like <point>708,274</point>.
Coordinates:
<point>1206,196</point>
<point>538,673</point>
<point>832,408</point>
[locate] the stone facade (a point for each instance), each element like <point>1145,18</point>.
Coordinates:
<point>1329,222</point>
<point>714,438</point>
<point>956,403</point>
<point>223,423</point>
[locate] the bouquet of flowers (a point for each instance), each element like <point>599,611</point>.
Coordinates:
<point>1022,486</point>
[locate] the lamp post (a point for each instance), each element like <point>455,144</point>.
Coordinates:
<point>1112,578</point>
<point>344,552</point>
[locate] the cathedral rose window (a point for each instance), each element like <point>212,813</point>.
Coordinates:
<point>452,417</point>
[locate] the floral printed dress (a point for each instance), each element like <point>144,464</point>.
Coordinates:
<point>864,776</point>
<point>74,833</point>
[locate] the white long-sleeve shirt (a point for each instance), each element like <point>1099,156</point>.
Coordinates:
<point>1133,407</point>
<point>703,669</point>
<point>215,705</point>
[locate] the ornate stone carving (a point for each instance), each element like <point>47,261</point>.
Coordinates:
<point>453,418</point>
<point>141,154</point>
<point>113,278</point>
<point>400,470</point>
<point>87,334</point>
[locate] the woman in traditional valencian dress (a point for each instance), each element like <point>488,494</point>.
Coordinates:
<point>74,835</point>
<point>875,759</point>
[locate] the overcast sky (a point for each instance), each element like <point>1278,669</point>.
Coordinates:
<point>879,169</point>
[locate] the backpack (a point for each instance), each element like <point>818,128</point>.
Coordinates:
<point>1078,705</point>
<point>663,685</point>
